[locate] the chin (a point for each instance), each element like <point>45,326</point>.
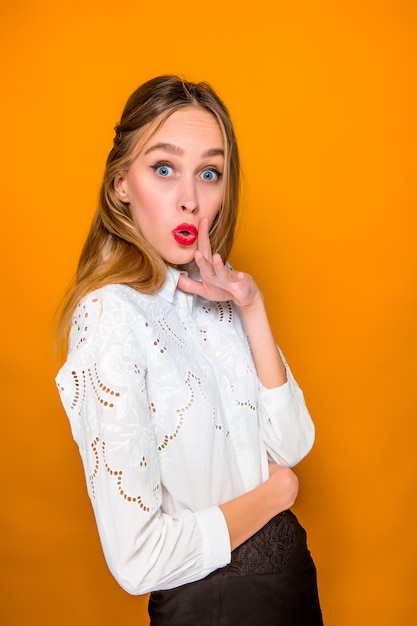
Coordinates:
<point>180,260</point>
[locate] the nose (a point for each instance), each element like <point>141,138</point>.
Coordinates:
<point>188,197</point>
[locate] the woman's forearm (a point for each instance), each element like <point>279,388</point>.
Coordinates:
<point>248,513</point>
<point>269,365</point>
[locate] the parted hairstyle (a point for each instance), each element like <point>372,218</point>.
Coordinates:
<point>115,251</point>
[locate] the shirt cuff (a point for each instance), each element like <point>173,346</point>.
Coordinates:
<point>215,539</point>
<point>275,397</point>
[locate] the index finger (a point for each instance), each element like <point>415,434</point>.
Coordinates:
<point>203,240</point>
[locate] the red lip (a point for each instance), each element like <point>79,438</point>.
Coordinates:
<point>185,234</point>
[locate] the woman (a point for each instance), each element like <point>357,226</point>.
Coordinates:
<point>186,415</point>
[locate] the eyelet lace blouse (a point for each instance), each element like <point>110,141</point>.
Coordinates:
<point>171,420</point>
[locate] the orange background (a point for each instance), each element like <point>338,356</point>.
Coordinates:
<point>323,95</point>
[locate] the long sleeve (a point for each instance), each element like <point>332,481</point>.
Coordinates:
<point>284,421</point>
<point>103,387</point>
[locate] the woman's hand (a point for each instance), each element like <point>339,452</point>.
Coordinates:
<point>217,281</point>
<point>284,485</point>
<point>248,513</point>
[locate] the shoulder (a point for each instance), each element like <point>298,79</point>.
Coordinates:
<point>111,297</point>
<point>109,312</point>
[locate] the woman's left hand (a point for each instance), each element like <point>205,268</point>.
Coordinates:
<point>218,282</point>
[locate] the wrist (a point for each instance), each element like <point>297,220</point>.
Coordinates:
<point>256,304</point>
<point>270,501</point>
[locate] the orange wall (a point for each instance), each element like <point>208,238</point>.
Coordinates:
<point>324,99</point>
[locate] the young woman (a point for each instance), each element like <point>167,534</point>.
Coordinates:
<point>186,415</point>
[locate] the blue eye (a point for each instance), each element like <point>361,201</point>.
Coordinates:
<point>210,175</point>
<point>163,170</point>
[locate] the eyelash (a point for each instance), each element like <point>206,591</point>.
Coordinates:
<point>213,169</point>
<point>161,164</point>
<point>207,169</point>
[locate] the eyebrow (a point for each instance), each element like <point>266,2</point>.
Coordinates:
<point>169,147</point>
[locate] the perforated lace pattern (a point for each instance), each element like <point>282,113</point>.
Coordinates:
<point>162,335</point>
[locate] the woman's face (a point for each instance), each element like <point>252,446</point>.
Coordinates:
<point>176,180</point>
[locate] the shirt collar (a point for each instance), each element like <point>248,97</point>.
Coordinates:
<point>170,292</point>
<point>170,285</point>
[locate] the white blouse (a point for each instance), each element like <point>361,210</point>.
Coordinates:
<point>171,420</point>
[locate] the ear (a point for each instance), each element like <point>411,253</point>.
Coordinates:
<point>120,185</point>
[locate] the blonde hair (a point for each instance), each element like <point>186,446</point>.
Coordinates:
<point>115,251</point>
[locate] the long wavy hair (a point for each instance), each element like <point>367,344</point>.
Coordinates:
<point>115,251</point>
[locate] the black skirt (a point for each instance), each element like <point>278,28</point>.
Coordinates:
<point>271,581</point>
